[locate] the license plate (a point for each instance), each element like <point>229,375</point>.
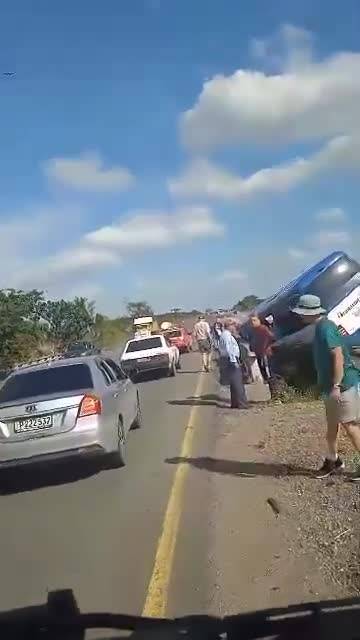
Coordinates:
<point>33,424</point>
<point>144,359</point>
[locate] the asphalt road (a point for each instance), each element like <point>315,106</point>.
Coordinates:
<point>96,531</point>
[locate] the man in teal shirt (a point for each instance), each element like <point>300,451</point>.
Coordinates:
<point>338,379</point>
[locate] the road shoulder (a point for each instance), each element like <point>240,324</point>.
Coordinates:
<point>257,530</point>
<point>279,536</point>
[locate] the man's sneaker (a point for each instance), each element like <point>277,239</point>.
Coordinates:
<point>355,477</point>
<point>329,468</point>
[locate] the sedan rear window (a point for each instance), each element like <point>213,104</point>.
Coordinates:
<point>142,345</point>
<point>59,380</point>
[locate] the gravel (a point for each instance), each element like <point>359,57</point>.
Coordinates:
<point>324,513</point>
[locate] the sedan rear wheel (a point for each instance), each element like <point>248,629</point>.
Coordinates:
<point>137,424</point>
<point>119,455</point>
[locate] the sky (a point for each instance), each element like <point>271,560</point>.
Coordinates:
<point>182,152</point>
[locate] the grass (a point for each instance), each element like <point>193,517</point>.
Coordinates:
<point>291,394</point>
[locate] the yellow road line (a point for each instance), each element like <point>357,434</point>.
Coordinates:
<point>158,589</point>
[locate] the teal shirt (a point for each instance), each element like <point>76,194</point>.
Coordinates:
<point>327,337</point>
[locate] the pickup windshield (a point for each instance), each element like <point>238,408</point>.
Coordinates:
<point>143,345</point>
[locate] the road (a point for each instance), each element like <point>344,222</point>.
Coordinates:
<point>97,531</point>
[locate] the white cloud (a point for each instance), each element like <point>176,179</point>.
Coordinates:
<point>204,179</point>
<point>153,230</point>
<point>88,173</point>
<point>232,275</point>
<point>64,266</point>
<point>25,234</point>
<point>296,254</point>
<point>306,100</point>
<point>333,214</point>
<point>289,48</point>
<point>329,239</point>
<point>107,246</point>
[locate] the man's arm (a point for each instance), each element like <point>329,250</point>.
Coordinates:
<point>334,343</point>
<point>337,357</point>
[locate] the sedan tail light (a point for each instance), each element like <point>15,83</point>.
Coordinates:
<point>90,406</point>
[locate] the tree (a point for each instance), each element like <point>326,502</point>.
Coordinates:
<point>111,332</point>
<point>139,309</point>
<point>68,320</point>
<point>20,327</point>
<point>247,303</point>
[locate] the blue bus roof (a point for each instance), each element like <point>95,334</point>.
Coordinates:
<point>307,276</point>
<point>304,279</point>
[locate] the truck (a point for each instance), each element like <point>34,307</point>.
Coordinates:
<point>145,326</point>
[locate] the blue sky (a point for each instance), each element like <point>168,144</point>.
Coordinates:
<point>183,152</point>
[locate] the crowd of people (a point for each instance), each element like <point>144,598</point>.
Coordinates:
<point>338,377</point>
<point>243,353</point>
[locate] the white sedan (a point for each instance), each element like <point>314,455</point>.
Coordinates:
<point>153,353</point>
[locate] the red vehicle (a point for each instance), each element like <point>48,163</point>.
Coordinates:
<point>180,338</point>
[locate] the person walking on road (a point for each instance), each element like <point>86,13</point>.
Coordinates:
<point>230,366</point>
<point>261,340</point>
<point>202,335</point>
<point>338,379</point>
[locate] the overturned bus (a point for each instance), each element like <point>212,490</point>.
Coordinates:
<point>336,280</point>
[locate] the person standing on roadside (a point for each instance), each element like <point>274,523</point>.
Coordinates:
<point>202,335</point>
<point>230,366</point>
<point>261,340</point>
<point>338,379</point>
<point>216,333</point>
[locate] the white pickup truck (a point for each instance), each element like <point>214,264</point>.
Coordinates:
<point>153,353</point>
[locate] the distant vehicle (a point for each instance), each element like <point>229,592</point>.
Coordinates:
<point>67,407</point>
<point>145,326</point>
<point>180,338</point>
<point>81,349</point>
<point>154,353</point>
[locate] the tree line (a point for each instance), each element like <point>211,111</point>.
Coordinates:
<point>32,326</point>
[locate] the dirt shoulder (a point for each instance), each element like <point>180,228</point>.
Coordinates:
<point>278,535</point>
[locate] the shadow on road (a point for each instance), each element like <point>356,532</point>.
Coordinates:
<point>213,400</point>
<point>209,399</point>
<point>38,476</point>
<point>150,376</point>
<point>193,371</point>
<point>242,469</point>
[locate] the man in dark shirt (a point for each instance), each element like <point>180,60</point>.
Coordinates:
<point>338,379</point>
<point>261,340</point>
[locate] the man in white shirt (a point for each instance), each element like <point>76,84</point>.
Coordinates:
<point>202,335</point>
<point>230,366</point>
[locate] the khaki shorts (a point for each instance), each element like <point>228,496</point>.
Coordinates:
<point>346,410</point>
<point>204,346</point>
